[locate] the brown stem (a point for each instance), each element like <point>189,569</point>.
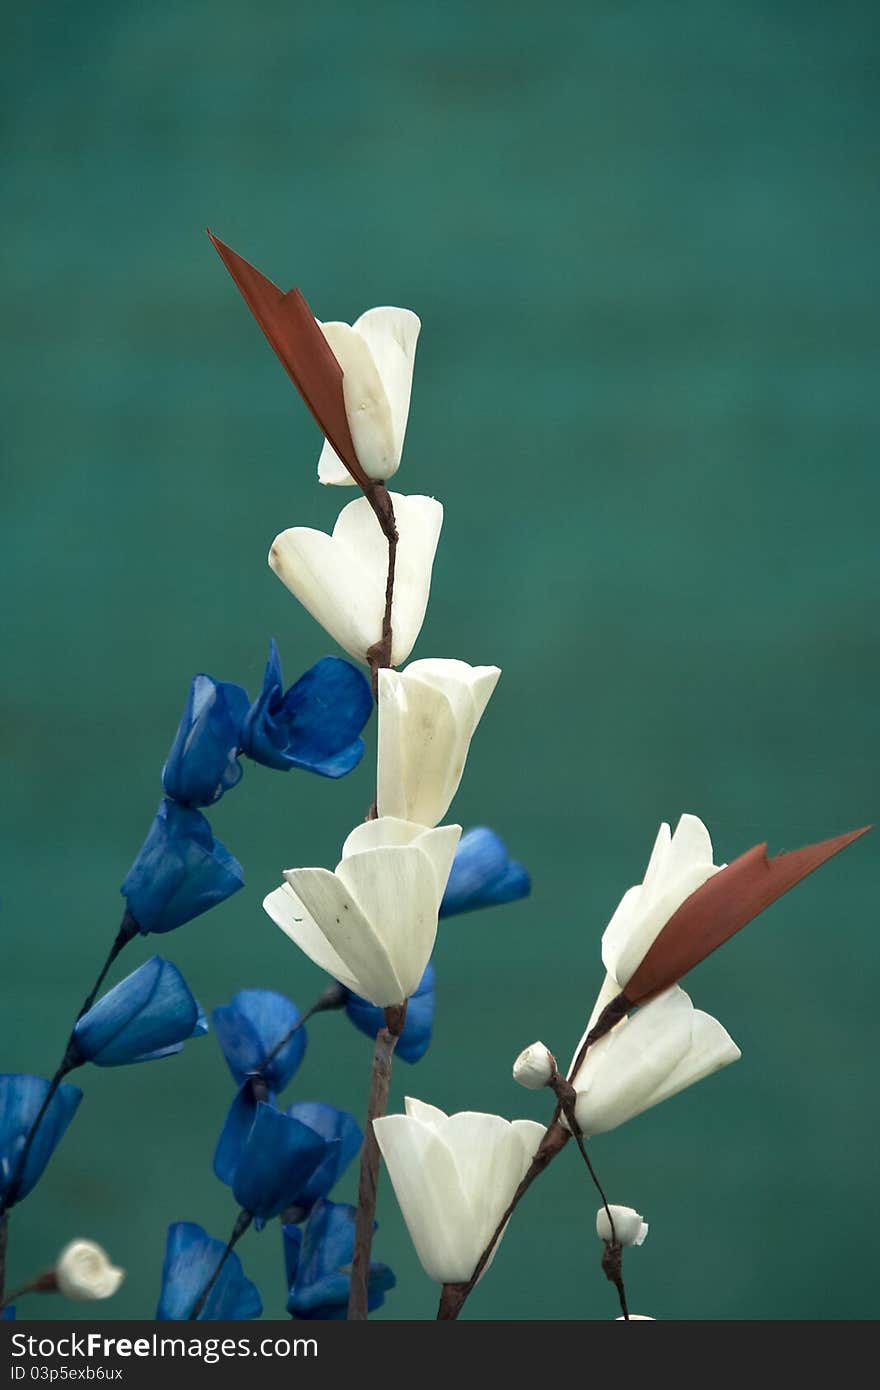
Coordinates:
<point>43,1283</point>
<point>454,1296</point>
<point>386,1041</point>
<point>379,654</point>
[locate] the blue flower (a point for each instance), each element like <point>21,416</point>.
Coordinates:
<point>21,1099</point>
<point>343,1137</point>
<point>180,871</point>
<point>318,1265</point>
<point>316,724</point>
<point>149,1014</point>
<point>483,874</point>
<point>250,1026</point>
<point>8,1313</point>
<point>275,1162</point>
<point>203,762</point>
<point>191,1257</point>
<point>416,1036</point>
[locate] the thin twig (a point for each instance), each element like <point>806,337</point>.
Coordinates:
<point>334,997</point>
<point>242,1222</point>
<point>386,1041</point>
<point>127,931</point>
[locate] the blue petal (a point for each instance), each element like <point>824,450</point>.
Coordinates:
<point>316,724</point>
<point>21,1098</point>
<point>483,874</point>
<point>148,1014</point>
<point>203,762</point>
<point>343,1137</point>
<point>234,1134</point>
<point>278,1158</point>
<point>191,1257</point>
<point>8,1313</point>
<point>415,1039</point>
<point>321,1281</point>
<point>180,872</point>
<point>293,1238</point>
<point>250,1026</point>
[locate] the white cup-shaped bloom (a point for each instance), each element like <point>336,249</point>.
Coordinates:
<point>534,1066</point>
<point>340,579</point>
<point>454,1176</point>
<point>629,1228</point>
<point>659,1050</point>
<point>376,353</point>
<point>678,866</point>
<point>83,1271</point>
<point>427,717</point>
<point>372,923</point>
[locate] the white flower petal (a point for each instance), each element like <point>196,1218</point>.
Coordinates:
<point>440,845</point>
<point>353,933</point>
<point>292,916</point>
<point>629,1228</point>
<point>395,888</point>
<point>428,1190</point>
<point>391,335</point>
<point>430,1115</point>
<point>711,1048</point>
<point>383,830</point>
<point>366,403</point>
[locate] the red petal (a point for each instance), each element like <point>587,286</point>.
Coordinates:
<point>718,909</point>
<point>290,327</point>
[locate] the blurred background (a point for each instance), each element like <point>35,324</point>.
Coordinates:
<point>642,240</point>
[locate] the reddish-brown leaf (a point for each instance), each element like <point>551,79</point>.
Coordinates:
<point>718,909</point>
<point>290,327</point>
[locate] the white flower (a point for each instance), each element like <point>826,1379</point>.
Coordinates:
<point>678,866</point>
<point>83,1271</point>
<point>534,1066</point>
<point>629,1228</point>
<point>454,1176</point>
<point>427,717</point>
<point>376,354</point>
<point>656,1052</point>
<point>340,579</point>
<point>635,1317</point>
<point>372,923</point>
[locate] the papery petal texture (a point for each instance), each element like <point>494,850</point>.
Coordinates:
<point>340,579</point>
<point>679,864</point>
<point>373,922</point>
<point>251,1026</point>
<point>453,1177</point>
<point>664,1047</point>
<point>180,871</point>
<point>377,355</point>
<point>21,1099</point>
<point>315,725</point>
<point>427,717</point>
<point>415,1039</point>
<point>203,762</point>
<point>191,1258</point>
<point>318,1264</point>
<point>483,874</point>
<point>148,1014</point>
<point>279,1157</point>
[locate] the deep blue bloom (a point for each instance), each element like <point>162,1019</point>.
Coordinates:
<point>318,1265</point>
<point>276,1161</point>
<point>8,1313</point>
<point>483,874</point>
<point>416,1036</point>
<point>316,724</point>
<point>191,1256</point>
<point>180,871</point>
<point>149,1014</point>
<point>21,1098</point>
<point>250,1026</point>
<point>203,762</point>
<point>343,1137</point>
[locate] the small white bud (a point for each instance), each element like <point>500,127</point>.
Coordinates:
<point>629,1228</point>
<point>636,1317</point>
<point>83,1271</point>
<point>534,1066</point>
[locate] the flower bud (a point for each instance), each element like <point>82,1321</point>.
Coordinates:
<point>534,1067</point>
<point>636,1317</point>
<point>83,1271</point>
<point>629,1228</point>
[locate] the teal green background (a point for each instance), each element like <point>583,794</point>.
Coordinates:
<point>642,239</point>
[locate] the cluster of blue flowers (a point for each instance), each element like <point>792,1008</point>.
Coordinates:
<point>181,870</point>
